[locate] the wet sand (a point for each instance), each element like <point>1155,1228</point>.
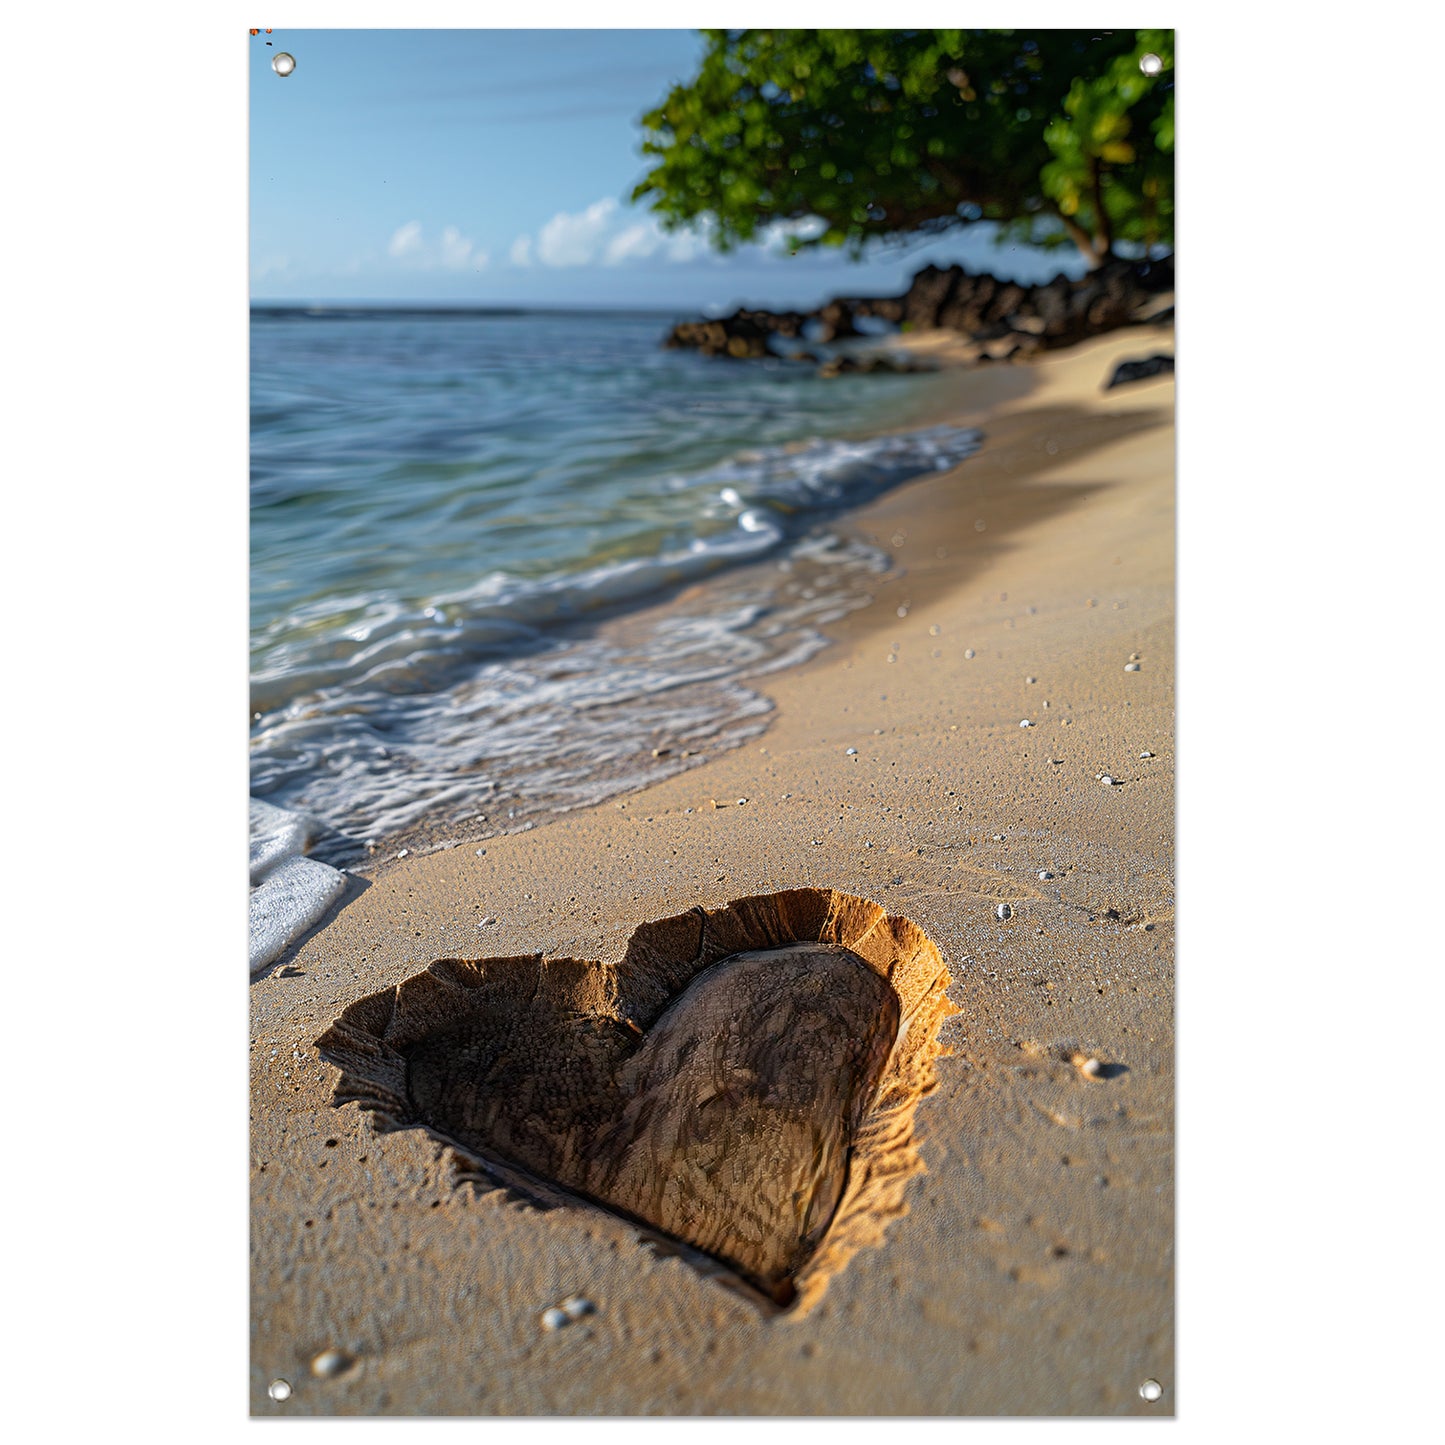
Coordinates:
<point>1033,1271</point>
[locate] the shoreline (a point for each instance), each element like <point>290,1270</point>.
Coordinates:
<point>1033,1274</point>
<point>727,584</point>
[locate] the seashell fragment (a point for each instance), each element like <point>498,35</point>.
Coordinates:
<point>330,1363</point>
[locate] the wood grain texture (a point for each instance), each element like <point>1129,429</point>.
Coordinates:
<point>748,1101</point>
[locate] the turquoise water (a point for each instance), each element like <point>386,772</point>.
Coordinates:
<point>459,521</point>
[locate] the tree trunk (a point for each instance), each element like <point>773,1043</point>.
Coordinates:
<point>1084,241</point>
<point>1103,231</point>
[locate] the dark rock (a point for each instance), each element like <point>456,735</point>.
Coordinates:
<point>1127,371</point>
<point>1051,303</point>
<point>1006,301</point>
<point>886,308</point>
<point>835,321</point>
<point>929,293</point>
<point>742,336</point>
<point>871,363</point>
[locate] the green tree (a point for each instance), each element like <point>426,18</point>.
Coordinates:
<point>1054,135</point>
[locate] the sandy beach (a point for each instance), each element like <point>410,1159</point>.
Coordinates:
<point>946,759</point>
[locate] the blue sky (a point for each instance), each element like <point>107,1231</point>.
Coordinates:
<point>494,167</point>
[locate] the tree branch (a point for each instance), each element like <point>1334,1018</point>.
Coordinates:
<point>1103,231</point>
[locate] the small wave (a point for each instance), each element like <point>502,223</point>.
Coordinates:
<point>565,725</point>
<point>735,512</point>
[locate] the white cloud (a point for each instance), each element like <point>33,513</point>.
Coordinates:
<point>459,252</point>
<point>406,240</point>
<point>573,238</point>
<point>604,234</point>
<point>635,243</point>
<point>454,251</point>
<point>684,245</point>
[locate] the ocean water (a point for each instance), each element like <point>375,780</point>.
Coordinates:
<point>463,526</point>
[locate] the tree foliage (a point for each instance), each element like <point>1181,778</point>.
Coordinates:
<point>1054,135</point>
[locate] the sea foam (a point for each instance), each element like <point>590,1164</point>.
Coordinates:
<point>484,706</point>
<point>289,893</point>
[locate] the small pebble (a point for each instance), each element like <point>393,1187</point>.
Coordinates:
<point>1107,781</point>
<point>1045,875</point>
<point>1004,911</point>
<point>554,1319</point>
<point>481,852</point>
<point>1146,754</point>
<point>934,630</point>
<point>279,1389</point>
<point>403,853</point>
<point>852,752</point>
<point>741,801</point>
<point>1030,679</point>
<point>968,652</point>
<point>1086,1065</point>
<point>903,612</point>
<point>574,1306</point>
<point>486,921</point>
<point>1056,761</point>
<point>1131,667</point>
<point>1025,723</point>
<point>330,1363</point>
<point>867,845</point>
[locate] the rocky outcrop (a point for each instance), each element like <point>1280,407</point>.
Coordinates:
<point>1004,319</point>
<point>742,336</point>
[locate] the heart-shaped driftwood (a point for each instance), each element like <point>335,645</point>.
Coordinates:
<point>743,1081</point>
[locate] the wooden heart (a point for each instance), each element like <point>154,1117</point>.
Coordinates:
<point>743,1081</point>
